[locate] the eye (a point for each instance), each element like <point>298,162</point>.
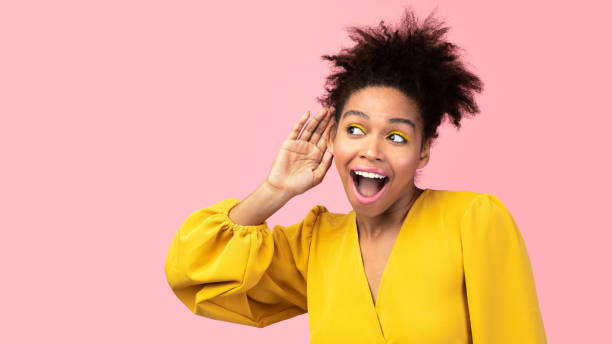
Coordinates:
<point>355,129</point>
<point>398,137</point>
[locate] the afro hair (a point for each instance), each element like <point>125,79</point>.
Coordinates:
<point>414,58</point>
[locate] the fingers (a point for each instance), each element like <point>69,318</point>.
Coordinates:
<point>321,128</point>
<point>321,170</point>
<point>313,125</point>
<point>298,126</point>
<point>322,143</point>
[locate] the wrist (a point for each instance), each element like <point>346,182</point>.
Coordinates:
<point>258,206</point>
<point>274,193</point>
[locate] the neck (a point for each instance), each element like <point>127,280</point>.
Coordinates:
<point>372,227</point>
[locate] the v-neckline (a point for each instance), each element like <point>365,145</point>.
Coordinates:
<point>364,278</point>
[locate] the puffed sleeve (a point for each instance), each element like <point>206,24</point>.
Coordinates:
<point>241,274</point>
<point>501,294</point>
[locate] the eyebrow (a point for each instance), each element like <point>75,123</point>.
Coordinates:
<point>390,120</point>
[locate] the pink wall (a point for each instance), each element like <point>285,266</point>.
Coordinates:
<point>119,118</point>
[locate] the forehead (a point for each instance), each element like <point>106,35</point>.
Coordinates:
<point>383,102</point>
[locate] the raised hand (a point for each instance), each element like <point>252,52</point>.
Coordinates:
<point>303,159</point>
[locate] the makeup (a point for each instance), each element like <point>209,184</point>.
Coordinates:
<point>401,135</point>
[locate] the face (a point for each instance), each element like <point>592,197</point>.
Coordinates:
<point>377,149</point>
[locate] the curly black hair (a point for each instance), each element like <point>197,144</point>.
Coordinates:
<point>414,58</point>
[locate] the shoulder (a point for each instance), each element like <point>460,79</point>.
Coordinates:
<point>300,235</point>
<point>487,208</point>
<point>458,204</point>
<point>459,198</point>
<point>317,219</point>
<point>452,198</point>
<point>450,203</point>
<point>483,215</point>
<point>326,223</point>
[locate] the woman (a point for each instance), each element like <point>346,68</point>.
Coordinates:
<point>406,265</point>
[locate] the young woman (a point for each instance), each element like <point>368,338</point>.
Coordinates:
<point>406,265</point>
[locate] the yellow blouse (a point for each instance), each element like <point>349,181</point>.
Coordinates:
<point>458,272</point>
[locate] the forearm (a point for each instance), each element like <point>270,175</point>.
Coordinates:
<point>257,207</point>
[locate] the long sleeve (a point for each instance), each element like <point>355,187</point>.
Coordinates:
<point>501,294</point>
<point>242,274</point>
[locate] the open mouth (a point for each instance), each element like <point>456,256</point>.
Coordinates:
<point>368,186</point>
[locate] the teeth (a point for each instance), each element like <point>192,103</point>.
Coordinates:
<point>369,174</point>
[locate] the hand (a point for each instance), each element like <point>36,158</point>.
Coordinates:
<point>303,161</point>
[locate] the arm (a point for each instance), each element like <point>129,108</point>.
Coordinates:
<point>242,274</point>
<point>301,164</point>
<point>502,299</point>
<point>259,205</point>
<point>230,267</point>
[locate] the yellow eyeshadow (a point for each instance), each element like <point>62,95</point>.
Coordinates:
<point>400,134</point>
<point>355,125</point>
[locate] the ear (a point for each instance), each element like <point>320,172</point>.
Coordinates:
<point>425,150</point>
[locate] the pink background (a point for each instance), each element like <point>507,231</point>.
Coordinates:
<point>120,118</point>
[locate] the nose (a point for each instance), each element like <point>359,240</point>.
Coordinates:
<point>371,149</point>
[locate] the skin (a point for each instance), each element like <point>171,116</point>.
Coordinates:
<point>307,153</point>
<point>379,223</point>
<point>301,163</point>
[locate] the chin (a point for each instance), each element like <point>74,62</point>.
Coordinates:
<point>370,210</point>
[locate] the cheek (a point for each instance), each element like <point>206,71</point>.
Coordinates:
<point>406,163</point>
<point>343,155</point>
<point>343,150</point>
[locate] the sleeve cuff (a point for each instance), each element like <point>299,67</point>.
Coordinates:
<point>223,208</point>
